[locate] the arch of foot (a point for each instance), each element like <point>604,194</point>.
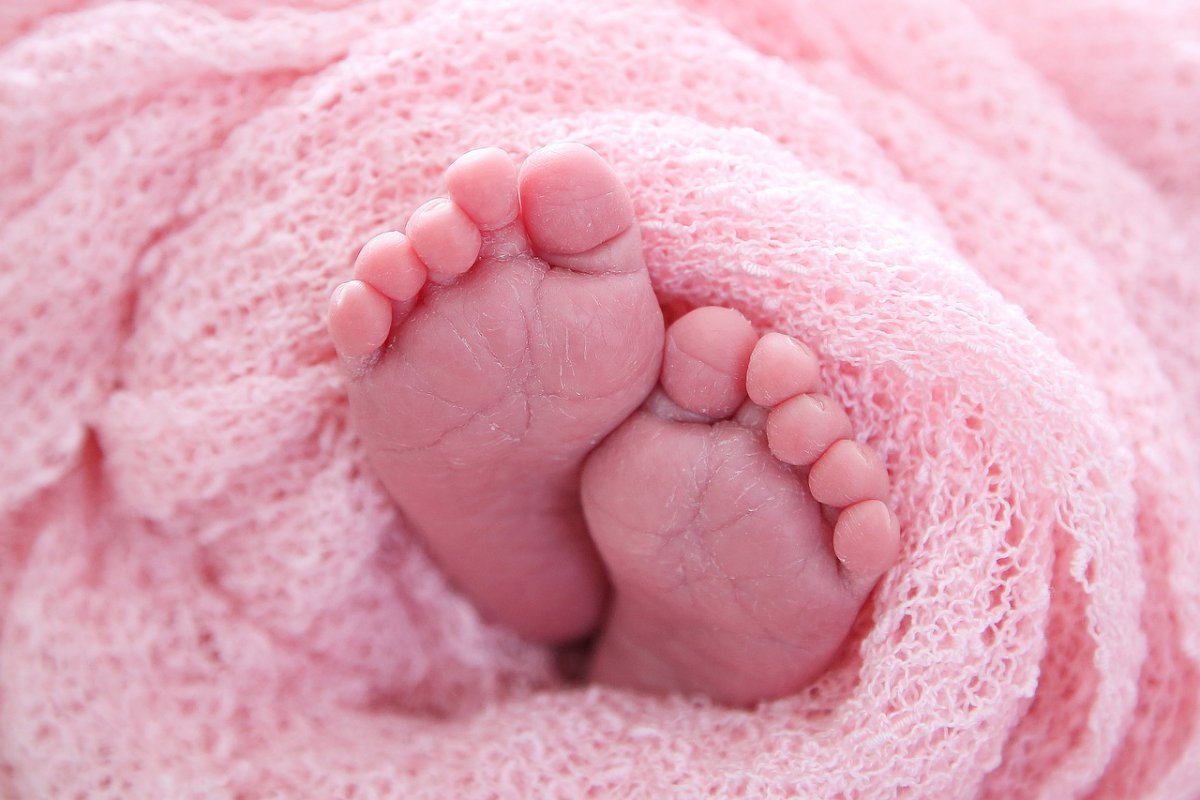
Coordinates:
<point>714,362</point>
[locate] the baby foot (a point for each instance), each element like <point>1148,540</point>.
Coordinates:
<point>714,516</point>
<point>491,347</point>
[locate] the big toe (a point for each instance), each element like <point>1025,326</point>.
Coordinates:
<point>705,361</point>
<point>576,211</point>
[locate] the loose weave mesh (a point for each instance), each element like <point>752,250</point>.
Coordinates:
<point>982,216</point>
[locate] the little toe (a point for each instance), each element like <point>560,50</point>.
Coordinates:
<point>848,473</point>
<point>801,429</point>
<point>577,212</point>
<point>781,368</point>
<point>360,319</point>
<point>705,360</point>
<point>483,183</point>
<point>866,540</point>
<point>445,238</point>
<point>391,266</point>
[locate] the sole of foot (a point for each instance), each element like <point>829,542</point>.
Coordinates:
<point>489,348</point>
<point>742,525</point>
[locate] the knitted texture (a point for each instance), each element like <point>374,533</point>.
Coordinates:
<point>982,216</point>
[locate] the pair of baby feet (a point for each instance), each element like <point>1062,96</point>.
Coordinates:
<point>691,497</point>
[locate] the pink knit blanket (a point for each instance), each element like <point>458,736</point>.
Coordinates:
<point>982,215</point>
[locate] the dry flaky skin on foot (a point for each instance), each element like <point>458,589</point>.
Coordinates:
<point>493,348</point>
<point>728,580</point>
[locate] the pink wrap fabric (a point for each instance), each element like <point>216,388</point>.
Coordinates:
<point>982,215</point>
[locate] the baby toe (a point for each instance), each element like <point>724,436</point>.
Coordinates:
<point>801,429</point>
<point>577,212</point>
<point>866,540</point>
<point>847,473</point>
<point>445,238</point>
<point>705,360</point>
<point>390,265</point>
<point>483,183</point>
<point>781,368</point>
<point>360,319</point>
